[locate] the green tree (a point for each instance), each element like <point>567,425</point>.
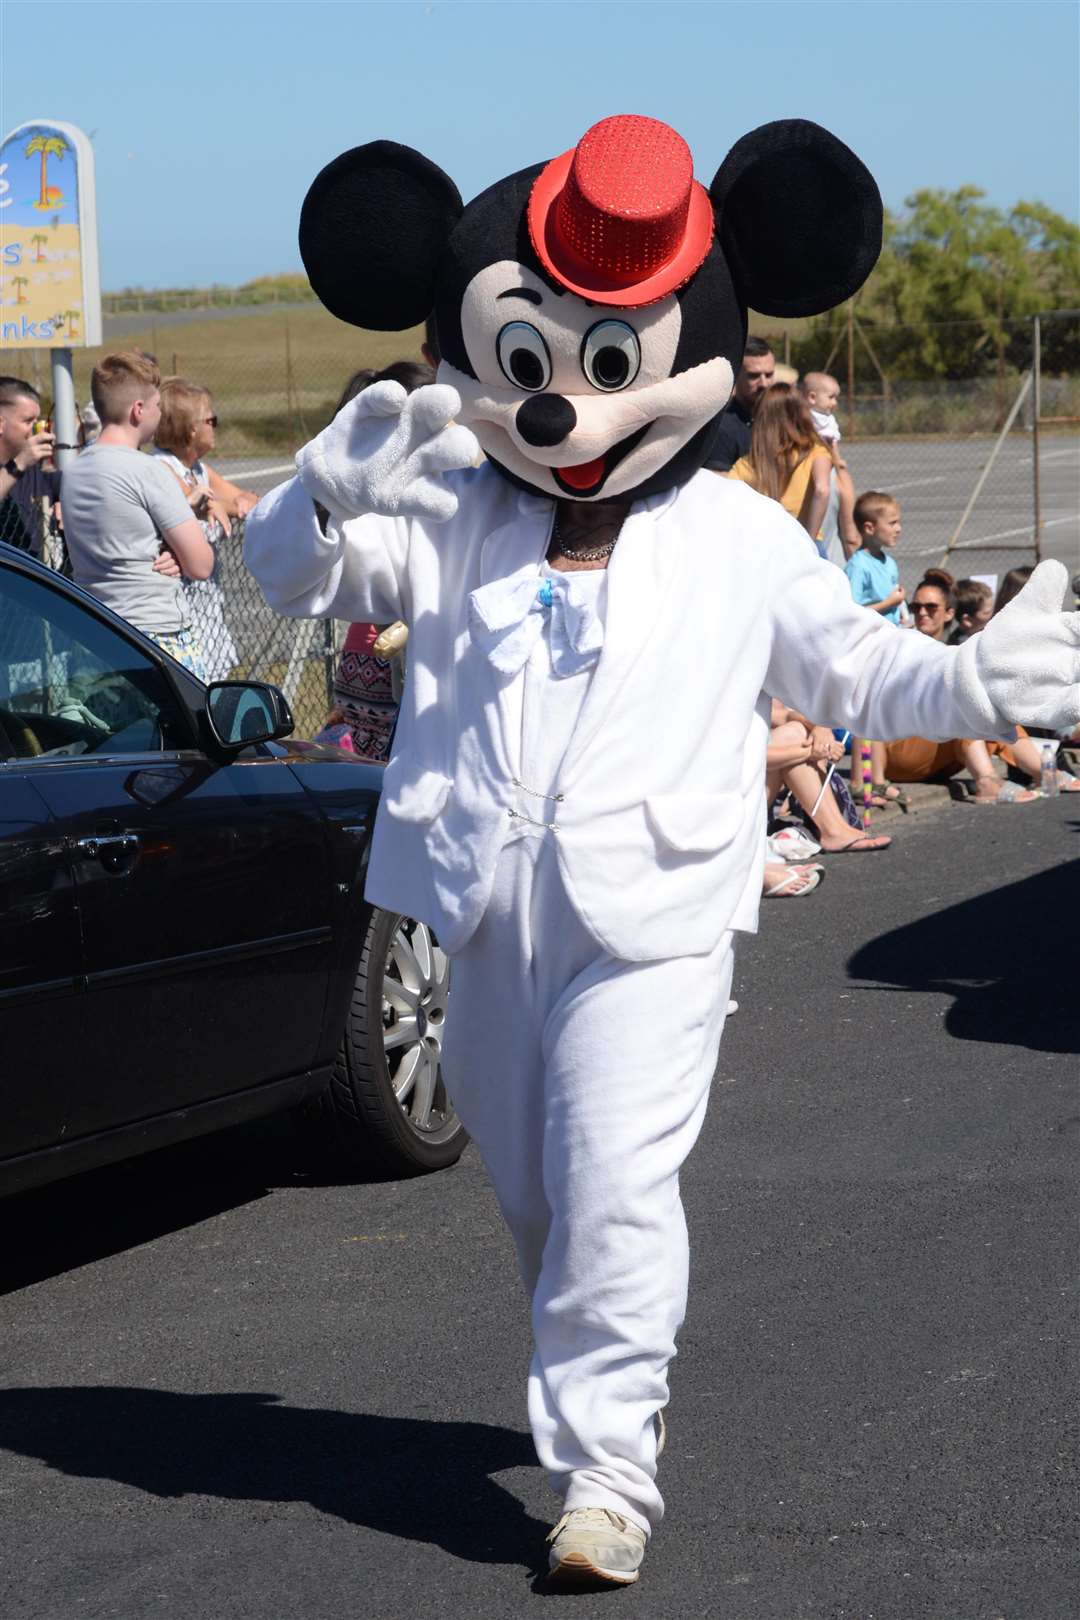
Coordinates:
<point>955,286</point>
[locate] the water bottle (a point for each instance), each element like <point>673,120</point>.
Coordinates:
<point>1050,781</point>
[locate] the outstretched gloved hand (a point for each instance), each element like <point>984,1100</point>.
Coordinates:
<point>386,451</point>
<point>1028,657</point>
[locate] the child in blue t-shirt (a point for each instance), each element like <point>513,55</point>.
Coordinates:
<point>872,573</point>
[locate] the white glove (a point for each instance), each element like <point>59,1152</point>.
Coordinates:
<point>385,453</point>
<point>1028,657</point>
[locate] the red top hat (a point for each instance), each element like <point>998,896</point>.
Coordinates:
<point>621,219</point>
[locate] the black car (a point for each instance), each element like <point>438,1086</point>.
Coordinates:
<point>183,938</point>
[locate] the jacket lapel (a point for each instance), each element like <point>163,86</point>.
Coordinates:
<point>640,574</point>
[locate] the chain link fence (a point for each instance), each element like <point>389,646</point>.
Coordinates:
<point>986,465</point>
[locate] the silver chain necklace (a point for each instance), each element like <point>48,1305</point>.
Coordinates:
<point>584,553</point>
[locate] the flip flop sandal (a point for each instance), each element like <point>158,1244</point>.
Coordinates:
<point>800,880</point>
<point>866,844</point>
<point>1009,793</point>
<point>890,793</point>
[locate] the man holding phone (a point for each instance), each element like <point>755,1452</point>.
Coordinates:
<point>24,480</point>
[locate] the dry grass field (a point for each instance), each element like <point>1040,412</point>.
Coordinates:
<point>275,374</point>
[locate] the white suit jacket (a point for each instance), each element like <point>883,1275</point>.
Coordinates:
<point>716,600</point>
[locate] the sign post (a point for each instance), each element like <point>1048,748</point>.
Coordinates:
<point>50,290</point>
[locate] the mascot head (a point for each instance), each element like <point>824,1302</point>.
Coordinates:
<point>591,311</point>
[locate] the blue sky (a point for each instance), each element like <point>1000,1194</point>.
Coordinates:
<point>210,121</point>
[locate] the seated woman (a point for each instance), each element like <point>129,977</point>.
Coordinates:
<point>787,460</point>
<point>798,757</point>
<point>917,759</point>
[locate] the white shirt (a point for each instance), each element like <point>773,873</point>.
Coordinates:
<point>551,704</point>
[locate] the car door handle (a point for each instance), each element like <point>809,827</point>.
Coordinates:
<point>109,848</point>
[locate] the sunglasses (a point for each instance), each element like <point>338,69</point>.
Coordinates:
<point>211,421</point>
<point>927,607</point>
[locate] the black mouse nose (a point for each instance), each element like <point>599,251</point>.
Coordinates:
<point>545,419</point>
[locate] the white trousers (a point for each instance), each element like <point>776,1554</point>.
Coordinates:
<point>583,1081</point>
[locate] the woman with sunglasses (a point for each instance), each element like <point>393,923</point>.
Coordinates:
<point>917,759</point>
<point>185,434</point>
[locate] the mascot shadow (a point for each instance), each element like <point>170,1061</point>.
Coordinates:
<point>419,1480</point>
<point>1007,957</point>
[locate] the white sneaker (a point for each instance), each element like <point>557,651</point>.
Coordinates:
<point>594,1544</point>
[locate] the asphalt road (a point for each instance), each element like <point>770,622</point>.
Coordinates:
<point>233,1389</point>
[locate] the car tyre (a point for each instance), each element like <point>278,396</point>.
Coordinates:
<point>387,1089</point>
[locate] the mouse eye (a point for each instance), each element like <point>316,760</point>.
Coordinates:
<point>523,356</point>
<point>611,355</point>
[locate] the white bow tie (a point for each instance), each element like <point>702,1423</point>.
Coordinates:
<point>506,619</point>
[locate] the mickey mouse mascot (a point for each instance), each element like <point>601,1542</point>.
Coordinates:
<point>575,800</point>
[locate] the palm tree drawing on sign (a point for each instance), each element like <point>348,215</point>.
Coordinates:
<point>47,146</point>
<point>72,318</point>
<point>38,241</point>
<point>19,282</point>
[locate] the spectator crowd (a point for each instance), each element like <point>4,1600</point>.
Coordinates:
<point>143,532</point>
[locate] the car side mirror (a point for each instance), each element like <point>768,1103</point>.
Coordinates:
<point>240,713</point>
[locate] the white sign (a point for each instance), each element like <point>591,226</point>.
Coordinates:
<point>50,290</point>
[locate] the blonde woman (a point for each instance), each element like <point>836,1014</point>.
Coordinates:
<point>787,460</point>
<point>184,435</point>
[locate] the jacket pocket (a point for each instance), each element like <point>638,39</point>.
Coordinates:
<point>695,823</point>
<point>412,793</point>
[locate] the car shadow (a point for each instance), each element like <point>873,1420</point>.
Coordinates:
<point>417,1479</point>
<point>357,1466</point>
<point>1008,958</point>
<point>49,1230</point>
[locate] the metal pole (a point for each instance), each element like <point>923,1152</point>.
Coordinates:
<point>65,419</point>
<point>1036,371</point>
<point>984,475</point>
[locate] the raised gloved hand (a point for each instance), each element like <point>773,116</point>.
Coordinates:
<point>1028,657</point>
<point>386,451</point>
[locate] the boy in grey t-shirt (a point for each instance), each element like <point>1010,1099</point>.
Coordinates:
<point>131,534</point>
<point>117,504</point>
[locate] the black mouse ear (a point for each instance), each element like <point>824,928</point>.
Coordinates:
<point>799,218</point>
<point>373,228</point>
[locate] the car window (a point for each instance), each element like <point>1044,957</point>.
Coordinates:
<point>70,685</point>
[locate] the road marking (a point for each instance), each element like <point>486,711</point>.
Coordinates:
<point>1009,534</point>
<point>262,472</point>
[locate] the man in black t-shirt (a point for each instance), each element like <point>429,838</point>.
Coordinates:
<point>23,478</point>
<point>756,373</point>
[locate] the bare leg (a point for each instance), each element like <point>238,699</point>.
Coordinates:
<point>788,745</point>
<point>833,831</point>
<point>988,784</point>
<point>1029,758</point>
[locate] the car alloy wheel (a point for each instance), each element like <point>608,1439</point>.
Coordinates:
<point>415,989</point>
<point>387,1096</point>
